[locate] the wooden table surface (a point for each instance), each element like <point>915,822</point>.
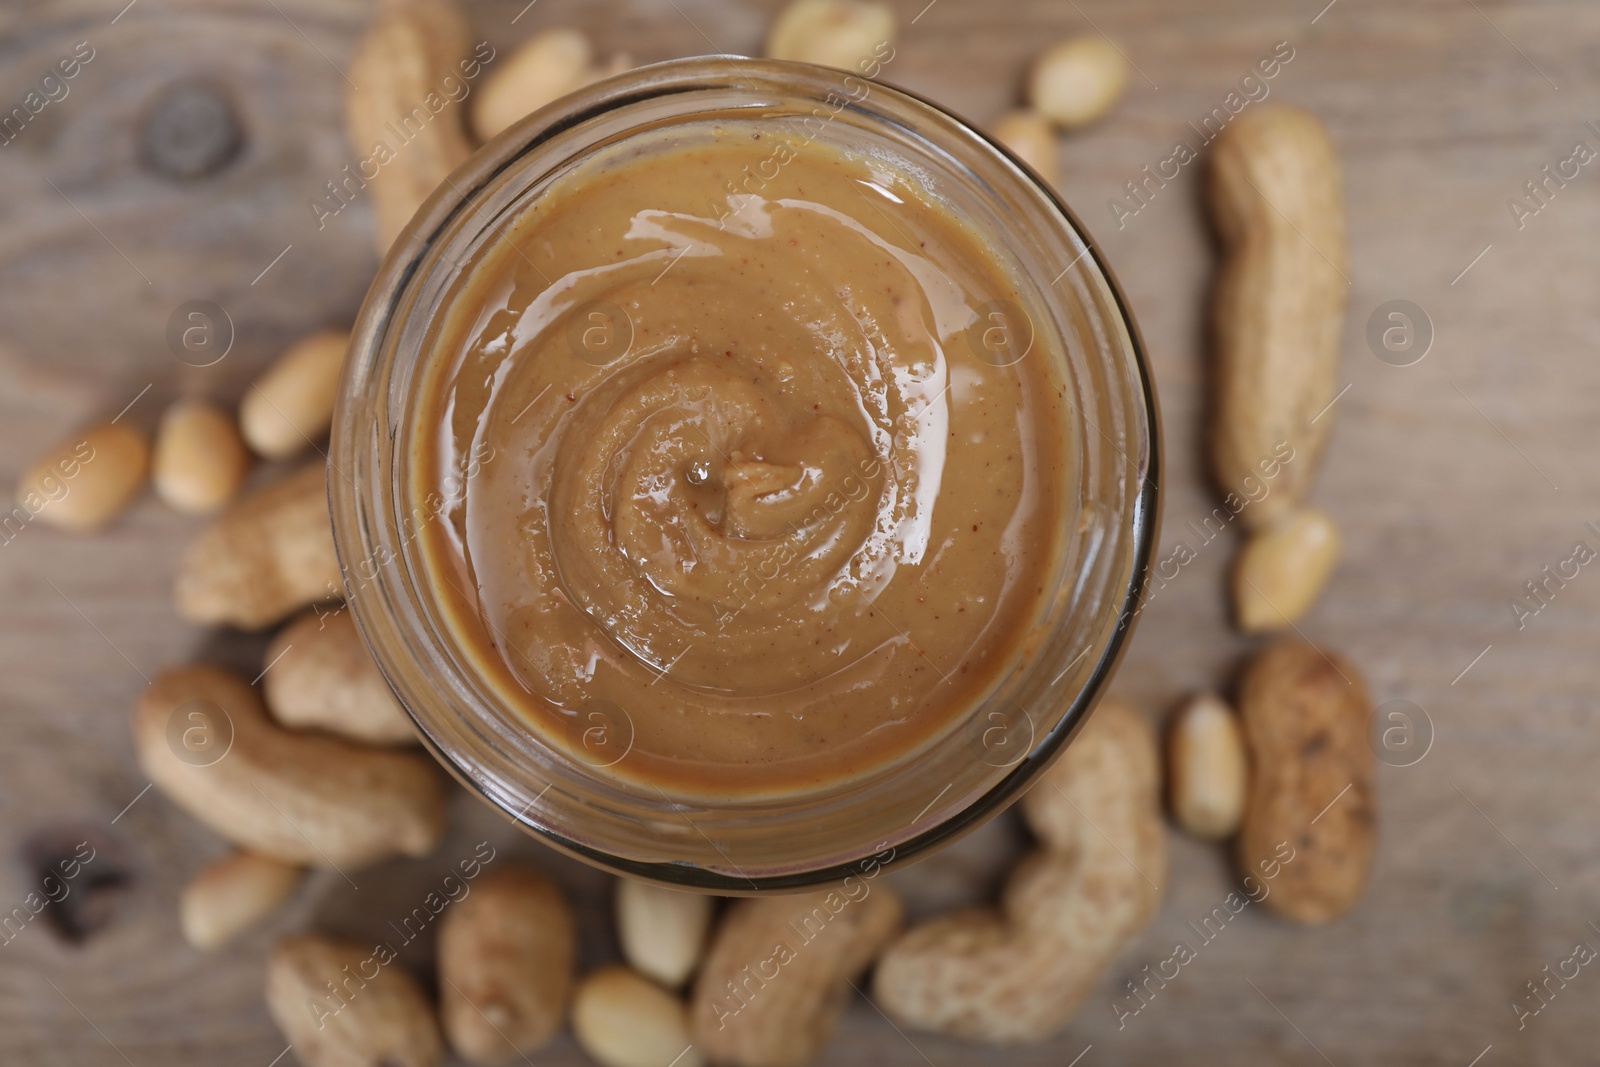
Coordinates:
<point>1457,479</point>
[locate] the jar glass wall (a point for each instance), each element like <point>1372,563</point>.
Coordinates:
<point>980,762</point>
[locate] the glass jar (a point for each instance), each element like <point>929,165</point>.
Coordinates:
<point>972,771</point>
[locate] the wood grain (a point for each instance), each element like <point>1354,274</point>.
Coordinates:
<point>1456,479</point>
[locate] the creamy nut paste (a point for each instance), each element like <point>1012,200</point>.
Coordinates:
<point>764,484</point>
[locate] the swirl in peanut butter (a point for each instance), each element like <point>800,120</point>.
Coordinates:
<point>760,484</point>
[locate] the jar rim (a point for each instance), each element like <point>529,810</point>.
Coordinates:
<point>365,508</point>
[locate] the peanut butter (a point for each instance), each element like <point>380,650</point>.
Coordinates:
<point>752,474</point>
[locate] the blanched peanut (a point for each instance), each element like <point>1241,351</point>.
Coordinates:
<point>623,1019</point>
<point>322,677</point>
<point>548,66</point>
<point>349,1004</point>
<point>87,479</point>
<point>506,956</point>
<point>663,931</point>
<point>200,459</point>
<point>1030,135</point>
<point>269,554</point>
<point>832,33</point>
<point>1283,569</point>
<point>232,895</point>
<point>1076,82</point>
<point>1207,773</point>
<point>291,405</point>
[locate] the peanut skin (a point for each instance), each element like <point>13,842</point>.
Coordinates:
<point>322,677</point>
<point>298,798</point>
<point>347,1004</point>
<point>1019,973</point>
<point>406,54</point>
<point>266,556</point>
<point>1278,305</point>
<point>1305,717</point>
<point>506,956</point>
<point>777,977</point>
